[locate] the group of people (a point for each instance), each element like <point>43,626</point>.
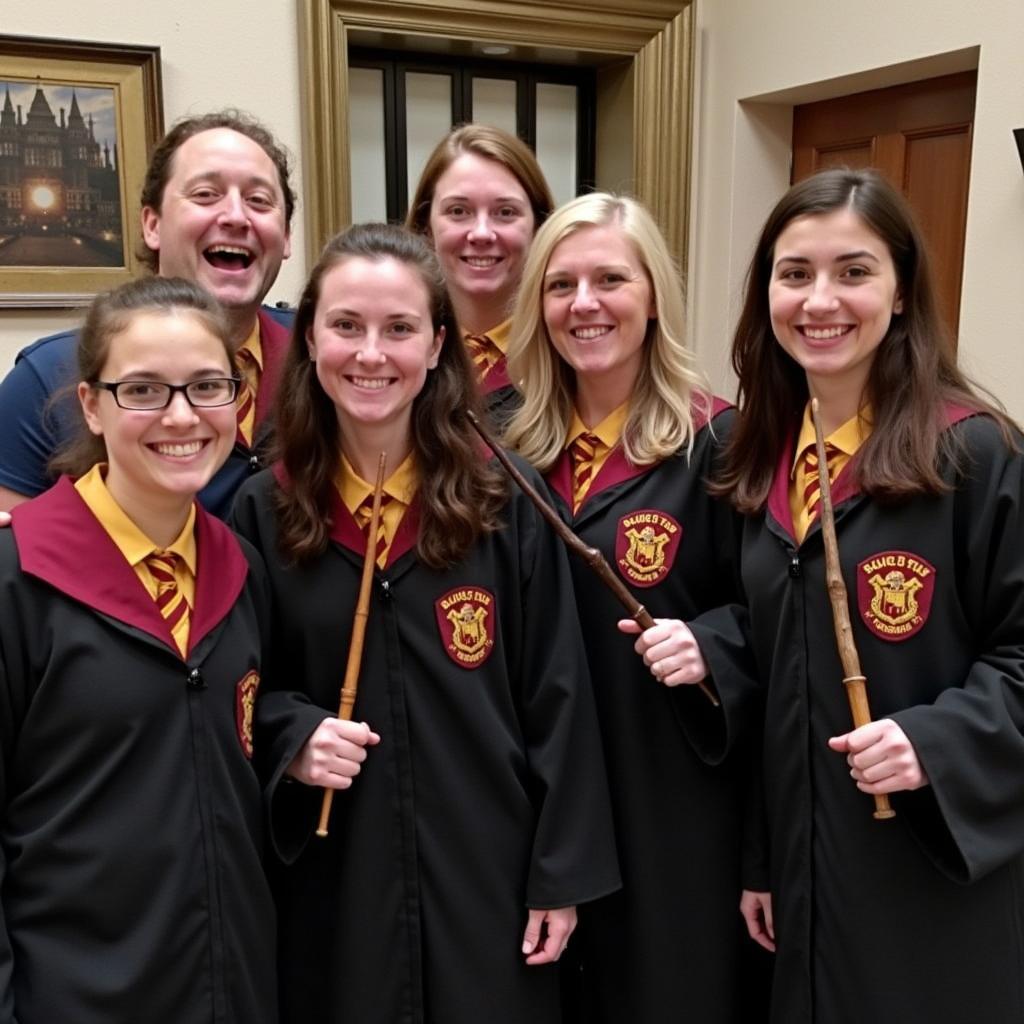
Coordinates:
<point>542,811</point>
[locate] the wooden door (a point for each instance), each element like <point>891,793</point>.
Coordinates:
<point>919,136</point>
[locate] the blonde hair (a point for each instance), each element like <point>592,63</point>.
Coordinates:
<point>668,386</point>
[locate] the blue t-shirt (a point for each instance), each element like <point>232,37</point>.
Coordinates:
<point>39,412</point>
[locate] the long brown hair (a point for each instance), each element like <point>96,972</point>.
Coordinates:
<point>492,144</point>
<point>913,376</point>
<point>460,494</point>
<point>110,314</point>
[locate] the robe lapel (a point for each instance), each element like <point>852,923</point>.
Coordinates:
<point>95,573</point>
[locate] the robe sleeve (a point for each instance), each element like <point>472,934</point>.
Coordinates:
<point>970,741</point>
<point>284,719</point>
<point>723,634</point>
<point>573,856</point>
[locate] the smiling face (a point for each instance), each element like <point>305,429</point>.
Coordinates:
<point>373,342</point>
<point>481,224</point>
<point>161,458</point>
<point>222,218</point>
<point>832,296</point>
<point>598,300</point>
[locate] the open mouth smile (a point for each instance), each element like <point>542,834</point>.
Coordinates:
<point>590,333</point>
<point>370,383</point>
<point>178,449</point>
<point>228,257</point>
<point>824,333</point>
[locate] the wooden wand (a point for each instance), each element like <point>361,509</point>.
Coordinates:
<point>853,681</point>
<point>592,556</point>
<point>350,685</point>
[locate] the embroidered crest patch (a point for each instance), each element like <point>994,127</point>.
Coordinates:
<point>646,543</point>
<point>245,702</point>
<point>894,593</point>
<point>465,617</point>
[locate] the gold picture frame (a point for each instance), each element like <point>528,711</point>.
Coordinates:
<point>78,121</point>
<point>655,35</point>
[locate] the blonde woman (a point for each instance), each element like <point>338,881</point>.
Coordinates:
<point>618,418</point>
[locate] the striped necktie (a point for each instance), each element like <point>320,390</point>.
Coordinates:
<point>363,515</point>
<point>812,483</point>
<point>484,353</point>
<point>169,598</point>
<point>584,453</point>
<point>247,392</point>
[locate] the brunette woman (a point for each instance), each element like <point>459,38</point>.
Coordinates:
<point>470,819</point>
<point>129,662</point>
<point>479,200</point>
<point>624,428</point>
<point>919,918</point>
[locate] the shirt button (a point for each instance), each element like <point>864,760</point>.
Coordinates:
<point>794,569</point>
<point>254,463</point>
<point>195,680</point>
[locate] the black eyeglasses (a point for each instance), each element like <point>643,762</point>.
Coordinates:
<point>152,395</point>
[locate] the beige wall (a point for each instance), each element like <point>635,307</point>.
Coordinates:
<point>214,53</point>
<point>757,57</point>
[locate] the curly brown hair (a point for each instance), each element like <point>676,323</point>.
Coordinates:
<point>460,493</point>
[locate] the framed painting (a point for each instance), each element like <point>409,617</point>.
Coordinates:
<point>78,122</point>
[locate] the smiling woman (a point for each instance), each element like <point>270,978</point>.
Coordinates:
<point>130,658</point>
<point>479,200</point>
<point>469,819</point>
<point>927,482</point>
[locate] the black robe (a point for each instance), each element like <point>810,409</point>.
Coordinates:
<point>670,946</point>
<point>130,828</point>
<point>919,918</point>
<point>485,796</point>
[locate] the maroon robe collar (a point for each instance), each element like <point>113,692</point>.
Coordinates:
<point>844,486</point>
<point>59,521</point>
<point>617,468</point>
<point>347,532</point>
<point>274,340</point>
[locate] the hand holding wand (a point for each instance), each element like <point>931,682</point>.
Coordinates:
<point>853,681</point>
<point>355,648</point>
<point>592,556</point>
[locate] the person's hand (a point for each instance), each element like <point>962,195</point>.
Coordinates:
<point>881,758</point>
<point>547,934</point>
<point>669,650</point>
<point>5,519</point>
<point>756,908</point>
<point>333,756</point>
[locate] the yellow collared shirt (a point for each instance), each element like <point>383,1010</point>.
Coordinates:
<point>137,547</point>
<point>847,439</point>
<point>400,487</point>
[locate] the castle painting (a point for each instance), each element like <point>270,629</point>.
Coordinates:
<point>60,193</point>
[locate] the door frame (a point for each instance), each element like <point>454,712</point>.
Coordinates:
<point>657,35</point>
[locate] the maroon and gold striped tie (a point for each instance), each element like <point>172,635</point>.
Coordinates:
<point>363,515</point>
<point>583,450</point>
<point>169,598</point>
<point>812,484</point>
<point>246,410</point>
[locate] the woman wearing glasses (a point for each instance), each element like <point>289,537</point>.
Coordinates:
<point>129,664</point>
